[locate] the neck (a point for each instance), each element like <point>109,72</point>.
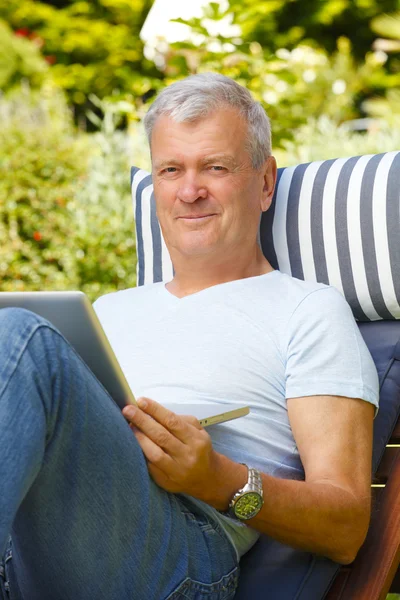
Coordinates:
<point>199,273</point>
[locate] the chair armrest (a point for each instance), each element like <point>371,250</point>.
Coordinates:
<point>372,573</point>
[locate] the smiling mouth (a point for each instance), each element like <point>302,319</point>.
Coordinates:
<point>196,218</point>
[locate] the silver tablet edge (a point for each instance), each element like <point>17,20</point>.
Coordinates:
<point>228,416</point>
<point>130,398</point>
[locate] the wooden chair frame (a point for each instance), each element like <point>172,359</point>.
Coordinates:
<point>375,572</point>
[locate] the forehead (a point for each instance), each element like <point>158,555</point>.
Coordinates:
<point>222,132</point>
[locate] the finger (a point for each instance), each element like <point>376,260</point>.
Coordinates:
<point>178,425</point>
<point>192,421</point>
<point>153,453</point>
<point>156,432</point>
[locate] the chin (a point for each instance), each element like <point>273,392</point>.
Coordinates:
<point>196,245</point>
<point>195,250</point>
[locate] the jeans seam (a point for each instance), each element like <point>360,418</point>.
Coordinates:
<point>60,335</point>
<point>22,350</point>
<point>51,327</point>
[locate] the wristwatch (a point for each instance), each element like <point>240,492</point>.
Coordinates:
<point>247,502</point>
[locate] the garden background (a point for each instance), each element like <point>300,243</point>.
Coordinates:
<point>76,79</point>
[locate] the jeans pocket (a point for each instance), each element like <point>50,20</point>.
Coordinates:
<point>224,589</point>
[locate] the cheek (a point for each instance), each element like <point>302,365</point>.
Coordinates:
<point>165,195</point>
<point>227,194</point>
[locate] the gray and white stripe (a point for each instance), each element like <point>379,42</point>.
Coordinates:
<point>153,260</point>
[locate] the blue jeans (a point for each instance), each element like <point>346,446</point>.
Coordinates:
<point>80,517</point>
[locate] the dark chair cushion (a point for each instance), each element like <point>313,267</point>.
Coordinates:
<point>272,570</point>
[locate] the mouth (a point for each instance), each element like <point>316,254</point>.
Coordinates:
<point>196,217</point>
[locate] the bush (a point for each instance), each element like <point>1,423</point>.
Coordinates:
<point>92,47</point>
<point>293,86</point>
<point>324,138</point>
<point>41,167</point>
<point>20,59</point>
<point>103,209</point>
<point>65,220</point>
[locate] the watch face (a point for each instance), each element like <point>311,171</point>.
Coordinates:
<point>248,505</point>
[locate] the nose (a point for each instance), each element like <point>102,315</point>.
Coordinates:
<point>191,188</point>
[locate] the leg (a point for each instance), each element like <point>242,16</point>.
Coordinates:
<point>86,519</point>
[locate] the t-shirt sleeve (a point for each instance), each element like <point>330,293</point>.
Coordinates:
<point>326,353</point>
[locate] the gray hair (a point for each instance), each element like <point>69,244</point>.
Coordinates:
<point>195,97</point>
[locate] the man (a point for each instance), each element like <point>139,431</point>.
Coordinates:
<point>100,509</point>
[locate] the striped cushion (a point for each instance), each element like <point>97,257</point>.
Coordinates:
<point>333,221</point>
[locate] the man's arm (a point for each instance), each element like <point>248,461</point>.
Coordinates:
<point>327,514</point>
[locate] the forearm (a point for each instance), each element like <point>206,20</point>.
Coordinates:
<point>318,517</point>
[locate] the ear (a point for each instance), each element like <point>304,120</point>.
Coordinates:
<point>269,176</point>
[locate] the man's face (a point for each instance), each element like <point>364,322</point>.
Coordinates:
<point>208,196</point>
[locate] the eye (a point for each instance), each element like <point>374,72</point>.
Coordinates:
<point>166,171</point>
<point>217,167</point>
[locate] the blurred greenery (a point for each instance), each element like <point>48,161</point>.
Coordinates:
<point>74,84</point>
<point>93,47</point>
<point>103,210</point>
<point>296,76</point>
<point>284,24</point>
<point>65,214</point>
<point>295,85</point>
<point>20,60</point>
<point>322,138</point>
<point>41,163</point>
<point>388,25</point>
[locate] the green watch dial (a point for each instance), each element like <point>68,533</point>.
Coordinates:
<point>248,505</point>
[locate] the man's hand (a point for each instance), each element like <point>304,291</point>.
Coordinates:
<point>178,450</point>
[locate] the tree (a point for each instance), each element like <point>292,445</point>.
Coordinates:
<point>93,47</point>
<point>284,24</point>
<point>20,59</point>
<point>294,80</point>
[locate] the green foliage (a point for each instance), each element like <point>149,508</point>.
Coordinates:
<point>387,25</point>
<point>41,165</point>
<point>93,47</point>
<point>65,219</point>
<point>284,24</point>
<point>103,209</point>
<point>20,59</point>
<point>387,109</point>
<point>387,106</point>
<point>293,86</point>
<point>323,138</point>
<point>292,56</point>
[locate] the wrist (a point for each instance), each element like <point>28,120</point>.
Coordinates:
<point>228,477</point>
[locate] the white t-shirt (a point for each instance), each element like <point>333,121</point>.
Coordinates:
<point>257,341</point>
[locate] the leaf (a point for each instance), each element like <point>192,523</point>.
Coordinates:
<point>93,118</point>
<point>387,25</point>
